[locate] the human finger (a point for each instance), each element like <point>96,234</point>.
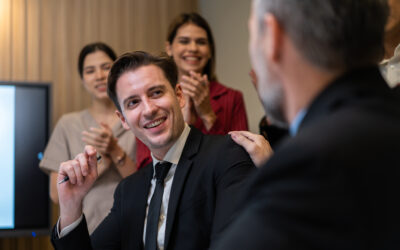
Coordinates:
<point>189,83</point>
<point>197,84</point>
<point>92,137</point>
<point>195,75</point>
<point>92,158</point>
<point>102,132</point>
<point>242,140</point>
<point>188,92</point>
<point>249,135</point>
<point>256,146</point>
<point>81,169</point>
<point>105,126</point>
<point>67,169</point>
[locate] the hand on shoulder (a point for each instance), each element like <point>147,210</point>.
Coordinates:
<point>256,146</point>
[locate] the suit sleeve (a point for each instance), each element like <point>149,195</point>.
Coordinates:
<point>108,234</point>
<point>236,167</point>
<point>76,239</point>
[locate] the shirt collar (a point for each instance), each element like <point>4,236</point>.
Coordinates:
<point>294,126</point>
<point>174,153</point>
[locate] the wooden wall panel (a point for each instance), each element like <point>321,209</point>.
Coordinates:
<point>5,39</point>
<point>32,40</point>
<point>40,41</point>
<point>74,39</point>
<point>18,40</point>
<point>46,37</point>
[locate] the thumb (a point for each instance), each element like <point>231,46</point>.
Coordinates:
<point>205,79</point>
<point>250,136</point>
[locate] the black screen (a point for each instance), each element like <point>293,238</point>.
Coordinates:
<point>28,105</point>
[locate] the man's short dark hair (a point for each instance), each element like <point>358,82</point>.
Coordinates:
<point>332,34</point>
<point>132,61</point>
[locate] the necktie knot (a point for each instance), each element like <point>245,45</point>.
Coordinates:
<point>162,169</point>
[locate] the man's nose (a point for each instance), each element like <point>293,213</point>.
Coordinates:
<point>149,108</point>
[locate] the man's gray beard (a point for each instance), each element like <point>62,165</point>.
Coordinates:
<point>271,94</point>
<point>269,91</point>
<point>272,100</point>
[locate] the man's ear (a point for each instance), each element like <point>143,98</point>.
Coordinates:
<point>179,95</point>
<point>168,48</point>
<point>273,37</point>
<point>123,121</point>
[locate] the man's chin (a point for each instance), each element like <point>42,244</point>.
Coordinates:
<point>279,122</point>
<point>157,143</point>
<point>275,114</point>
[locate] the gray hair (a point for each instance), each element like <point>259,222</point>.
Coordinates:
<point>331,34</point>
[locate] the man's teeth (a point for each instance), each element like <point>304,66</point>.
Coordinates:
<point>155,123</point>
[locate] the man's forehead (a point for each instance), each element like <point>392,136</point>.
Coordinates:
<point>141,79</point>
<point>146,74</point>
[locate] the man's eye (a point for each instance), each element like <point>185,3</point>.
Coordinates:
<point>157,93</point>
<point>132,103</point>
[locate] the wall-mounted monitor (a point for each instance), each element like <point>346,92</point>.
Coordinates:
<point>24,131</point>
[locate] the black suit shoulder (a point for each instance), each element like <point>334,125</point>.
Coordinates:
<point>222,151</point>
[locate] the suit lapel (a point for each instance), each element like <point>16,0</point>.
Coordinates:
<point>182,170</point>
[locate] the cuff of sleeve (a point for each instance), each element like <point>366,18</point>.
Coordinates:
<point>66,230</point>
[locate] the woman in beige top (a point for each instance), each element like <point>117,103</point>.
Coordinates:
<point>98,126</point>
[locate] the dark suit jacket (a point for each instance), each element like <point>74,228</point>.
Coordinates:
<point>336,184</point>
<point>208,178</point>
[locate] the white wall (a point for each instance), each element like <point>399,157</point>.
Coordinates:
<point>228,21</point>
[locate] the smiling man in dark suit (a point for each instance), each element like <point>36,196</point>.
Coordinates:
<point>183,199</point>
<point>335,183</point>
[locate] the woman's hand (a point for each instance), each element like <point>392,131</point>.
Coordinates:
<point>197,87</point>
<point>101,138</point>
<point>189,113</point>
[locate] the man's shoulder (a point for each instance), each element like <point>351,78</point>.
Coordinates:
<point>339,138</point>
<point>220,143</point>
<point>209,143</point>
<point>221,152</point>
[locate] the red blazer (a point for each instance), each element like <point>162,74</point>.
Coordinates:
<point>227,104</point>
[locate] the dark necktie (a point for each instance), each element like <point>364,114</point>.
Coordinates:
<point>153,215</point>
